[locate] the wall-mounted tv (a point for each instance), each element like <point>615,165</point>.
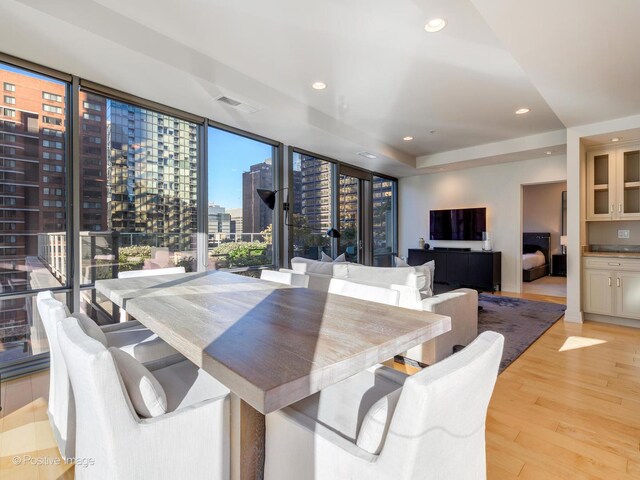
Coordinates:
<point>457,224</point>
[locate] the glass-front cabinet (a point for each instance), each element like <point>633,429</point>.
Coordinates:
<point>629,182</point>
<point>613,184</point>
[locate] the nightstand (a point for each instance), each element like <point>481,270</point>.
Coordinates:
<point>559,265</point>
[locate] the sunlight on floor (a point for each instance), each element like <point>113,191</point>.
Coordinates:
<point>573,343</point>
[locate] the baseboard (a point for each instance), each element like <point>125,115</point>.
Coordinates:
<point>625,322</point>
<point>573,316</point>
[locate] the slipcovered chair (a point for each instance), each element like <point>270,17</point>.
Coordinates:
<point>169,423</point>
<point>363,291</point>
<point>131,337</point>
<point>432,425</point>
<point>286,278</point>
<point>124,317</point>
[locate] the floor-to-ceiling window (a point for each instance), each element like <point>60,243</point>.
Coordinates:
<point>385,243</point>
<point>240,224</point>
<point>138,191</point>
<point>143,199</point>
<point>33,205</point>
<point>312,206</point>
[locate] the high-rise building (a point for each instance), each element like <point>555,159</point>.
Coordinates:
<point>33,186</point>
<point>313,194</point>
<point>256,216</point>
<point>236,220</point>
<point>138,173</point>
<point>219,220</point>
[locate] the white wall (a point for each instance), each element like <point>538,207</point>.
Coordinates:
<point>542,211</point>
<point>497,187</point>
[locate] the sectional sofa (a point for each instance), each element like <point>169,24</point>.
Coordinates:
<point>415,286</point>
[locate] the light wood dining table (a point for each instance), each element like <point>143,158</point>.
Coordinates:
<point>270,344</point>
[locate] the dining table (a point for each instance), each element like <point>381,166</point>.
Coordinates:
<point>270,344</point>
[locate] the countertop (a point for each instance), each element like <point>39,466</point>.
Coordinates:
<point>612,254</point>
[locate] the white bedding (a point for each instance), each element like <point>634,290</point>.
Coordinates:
<point>532,260</point>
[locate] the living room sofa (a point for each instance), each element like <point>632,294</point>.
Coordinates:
<point>460,305</point>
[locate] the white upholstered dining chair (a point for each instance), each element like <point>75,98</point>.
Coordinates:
<point>431,425</point>
<point>286,278</point>
<point>124,317</point>
<point>169,423</point>
<point>362,291</point>
<point>131,337</point>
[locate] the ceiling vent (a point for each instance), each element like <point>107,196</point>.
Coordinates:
<point>237,104</point>
<point>367,155</point>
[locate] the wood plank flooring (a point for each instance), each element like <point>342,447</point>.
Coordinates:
<point>568,408</point>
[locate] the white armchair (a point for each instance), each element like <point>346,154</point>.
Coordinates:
<point>461,306</point>
<point>189,439</point>
<point>131,337</point>
<point>286,278</point>
<point>372,426</point>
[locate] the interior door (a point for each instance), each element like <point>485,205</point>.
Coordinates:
<point>353,213</point>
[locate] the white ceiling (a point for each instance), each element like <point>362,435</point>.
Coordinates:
<point>386,76</point>
<point>582,55</point>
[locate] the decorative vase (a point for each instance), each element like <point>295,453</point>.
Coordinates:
<point>421,243</point>
<point>486,241</point>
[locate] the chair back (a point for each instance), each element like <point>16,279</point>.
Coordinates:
<point>150,273</point>
<point>105,416</point>
<point>60,403</point>
<point>286,278</point>
<point>439,423</point>
<point>363,291</point>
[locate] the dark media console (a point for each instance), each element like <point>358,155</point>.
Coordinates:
<point>462,267</point>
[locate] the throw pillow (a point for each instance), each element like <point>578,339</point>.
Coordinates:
<point>147,395</point>
<point>325,258</point>
<point>398,262</point>
<point>429,270</point>
<point>376,423</point>
<point>341,258</point>
<point>91,328</point>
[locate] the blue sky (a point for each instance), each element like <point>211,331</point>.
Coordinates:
<point>229,156</point>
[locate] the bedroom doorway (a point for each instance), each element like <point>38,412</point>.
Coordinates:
<point>544,223</point>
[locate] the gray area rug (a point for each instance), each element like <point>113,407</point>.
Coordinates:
<point>521,322</point>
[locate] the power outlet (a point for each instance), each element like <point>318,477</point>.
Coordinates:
<point>623,233</point>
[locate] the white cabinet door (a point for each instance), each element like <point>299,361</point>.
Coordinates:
<point>628,183</point>
<point>598,291</point>
<point>628,294</point>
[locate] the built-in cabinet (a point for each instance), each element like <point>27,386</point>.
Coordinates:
<point>612,286</point>
<point>613,183</point>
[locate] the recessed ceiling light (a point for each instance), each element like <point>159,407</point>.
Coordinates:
<point>318,85</point>
<point>522,111</point>
<point>435,25</point>
<point>549,152</point>
<point>615,139</point>
<point>367,155</point>
<point>432,132</point>
<point>408,138</point>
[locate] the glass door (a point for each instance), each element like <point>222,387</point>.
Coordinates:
<point>600,180</point>
<point>353,213</point>
<point>629,189</point>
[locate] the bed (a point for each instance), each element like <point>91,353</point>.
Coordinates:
<point>535,255</point>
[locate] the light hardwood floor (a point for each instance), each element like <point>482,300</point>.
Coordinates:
<point>568,408</point>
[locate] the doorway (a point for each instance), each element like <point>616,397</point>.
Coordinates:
<point>544,259</point>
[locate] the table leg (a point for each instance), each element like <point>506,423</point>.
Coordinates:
<point>247,441</point>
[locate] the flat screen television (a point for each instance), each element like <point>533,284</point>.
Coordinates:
<point>457,224</point>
